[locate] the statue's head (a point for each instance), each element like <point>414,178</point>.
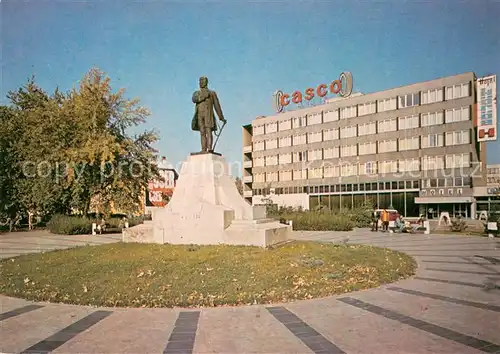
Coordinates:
<point>203,82</point>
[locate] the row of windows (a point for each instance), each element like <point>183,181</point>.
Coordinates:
<point>368,168</point>
<point>403,144</point>
<point>402,101</point>
<point>370,186</point>
<point>387,125</point>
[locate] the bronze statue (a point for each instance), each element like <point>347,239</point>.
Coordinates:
<point>204,119</point>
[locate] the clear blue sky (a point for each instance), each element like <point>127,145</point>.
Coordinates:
<point>157,50</point>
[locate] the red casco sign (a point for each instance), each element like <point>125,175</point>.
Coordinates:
<point>341,86</point>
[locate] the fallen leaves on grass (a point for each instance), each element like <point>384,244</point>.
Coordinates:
<point>142,275</point>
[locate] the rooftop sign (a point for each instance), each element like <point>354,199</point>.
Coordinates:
<point>341,86</point>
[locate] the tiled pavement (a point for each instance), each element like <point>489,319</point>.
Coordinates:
<point>452,305</point>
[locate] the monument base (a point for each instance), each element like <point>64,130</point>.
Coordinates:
<point>207,209</point>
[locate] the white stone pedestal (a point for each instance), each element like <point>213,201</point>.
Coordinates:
<point>206,208</point>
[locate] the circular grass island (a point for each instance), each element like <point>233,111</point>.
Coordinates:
<point>151,275</point>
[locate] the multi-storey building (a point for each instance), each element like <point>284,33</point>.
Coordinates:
<point>413,148</point>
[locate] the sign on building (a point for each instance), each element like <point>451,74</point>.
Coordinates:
<point>487,108</point>
<point>158,190</point>
<point>342,86</point>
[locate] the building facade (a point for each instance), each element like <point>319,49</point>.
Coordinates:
<point>414,148</point>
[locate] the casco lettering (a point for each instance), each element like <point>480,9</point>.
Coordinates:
<point>342,86</point>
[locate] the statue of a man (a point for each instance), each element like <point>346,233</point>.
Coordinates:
<point>204,119</point>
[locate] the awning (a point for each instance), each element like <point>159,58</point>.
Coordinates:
<point>443,200</point>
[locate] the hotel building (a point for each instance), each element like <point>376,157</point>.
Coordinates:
<point>414,148</point>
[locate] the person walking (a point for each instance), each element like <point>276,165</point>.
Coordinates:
<point>375,218</point>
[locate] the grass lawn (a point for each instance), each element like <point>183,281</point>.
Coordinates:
<point>147,275</point>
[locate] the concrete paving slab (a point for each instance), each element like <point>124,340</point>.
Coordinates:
<point>132,331</point>
<point>244,330</point>
<point>358,331</point>
<point>479,323</point>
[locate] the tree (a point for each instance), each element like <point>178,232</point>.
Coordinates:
<point>60,152</point>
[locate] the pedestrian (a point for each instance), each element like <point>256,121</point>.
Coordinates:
<point>385,220</point>
<point>375,218</point>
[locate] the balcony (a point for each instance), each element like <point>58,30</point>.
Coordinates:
<point>247,179</point>
<point>247,194</point>
<point>247,149</point>
<point>248,164</point>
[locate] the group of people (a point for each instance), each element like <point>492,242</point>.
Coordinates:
<point>383,215</point>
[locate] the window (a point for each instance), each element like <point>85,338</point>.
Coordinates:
<point>457,91</point>
<point>314,137</point>
<point>331,134</point>
<point>258,146</point>
<point>299,174</point>
<point>285,141</point>
<point>388,125</point>
<point>366,108</point>
<point>259,177</point>
<point>299,139</point>
<point>387,146</point>
<point>457,114</point>
<point>285,158</point>
<point>258,130</point>
<point>367,129</point>
<point>387,104</point>
<point>388,167</point>
<point>348,170</point>
<point>348,132</point>
<point>408,122</point>
<point>315,154</point>
<point>271,144</point>
<point>271,127</point>
<point>458,138</point>
<point>432,163</point>
<point>367,148</point>
<point>285,175</point>
<point>432,140</point>
<point>330,116</point>
<point>299,122</point>
<point>285,124</point>
<point>412,143</point>
<point>331,153</point>
<point>300,156</point>
<point>314,118</point>
<point>271,176</point>
<point>271,160</point>
<point>409,165</point>
<point>432,96</point>
<point>434,118</point>
<point>458,161</point>
<point>315,173</point>
<point>348,150</point>
<point>331,171</point>
<point>409,100</point>
<point>370,168</point>
<point>348,112</point>
<point>259,162</point>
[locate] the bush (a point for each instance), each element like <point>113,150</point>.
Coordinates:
<point>322,219</point>
<point>70,225</point>
<point>458,225</point>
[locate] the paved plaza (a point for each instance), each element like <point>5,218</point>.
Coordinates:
<point>452,305</point>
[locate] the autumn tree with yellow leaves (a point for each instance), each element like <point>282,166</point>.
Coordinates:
<point>61,151</point>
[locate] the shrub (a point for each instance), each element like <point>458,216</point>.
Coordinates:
<point>322,219</point>
<point>70,225</point>
<point>458,225</point>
